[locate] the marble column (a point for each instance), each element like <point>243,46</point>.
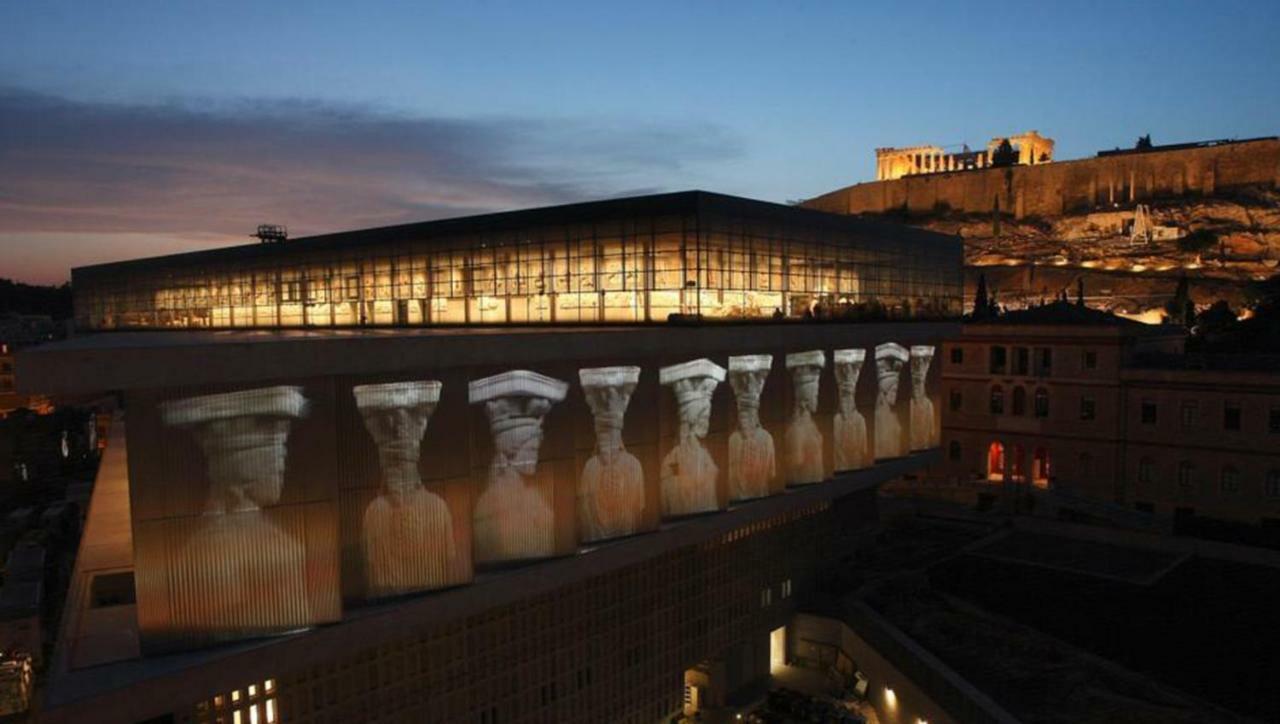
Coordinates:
<point>924,428</point>
<point>407,535</point>
<point>688,473</point>
<point>850,427</point>
<point>804,439</point>
<point>237,573</point>
<point>513,519</point>
<point>890,357</point>
<point>752,466</point>
<point>611,487</point>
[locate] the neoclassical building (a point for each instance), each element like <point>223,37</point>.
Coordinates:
<point>1091,404</point>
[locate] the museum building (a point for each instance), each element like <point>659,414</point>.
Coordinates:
<point>531,466</point>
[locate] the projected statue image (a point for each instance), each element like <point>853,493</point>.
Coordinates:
<point>238,573</point>
<point>611,487</point>
<point>924,433</point>
<point>751,458</point>
<point>513,518</point>
<point>688,472</point>
<point>408,530</point>
<point>804,439</point>
<point>850,427</point>
<point>890,358</point>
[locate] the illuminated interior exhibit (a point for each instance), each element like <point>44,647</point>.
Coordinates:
<point>891,359</point>
<point>851,448</point>
<point>625,261</point>
<point>926,427</point>
<point>752,463</point>
<point>804,440</point>
<point>689,474</point>
<point>611,494</point>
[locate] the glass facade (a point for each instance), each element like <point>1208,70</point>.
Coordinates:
<point>625,261</point>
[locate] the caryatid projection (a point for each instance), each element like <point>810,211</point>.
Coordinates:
<point>611,487</point>
<point>751,458</point>
<point>513,519</point>
<point>804,439</point>
<point>688,472</point>
<point>924,431</point>
<point>890,357</point>
<point>238,573</point>
<point>408,530</point>
<point>850,427</point>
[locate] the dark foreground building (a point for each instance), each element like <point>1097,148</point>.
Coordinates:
<point>496,486</point>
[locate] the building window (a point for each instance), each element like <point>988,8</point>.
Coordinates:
<point>1148,412</point>
<point>1145,466</point>
<point>1230,480</point>
<point>1190,411</point>
<point>1089,360</point>
<point>999,359</point>
<point>786,588</point>
<point>1272,487</point>
<point>1273,421</point>
<point>997,400</point>
<point>1019,401</point>
<point>1186,477</point>
<point>957,355</point>
<point>1021,361</point>
<point>766,598</point>
<point>1088,408</point>
<point>1231,416</point>
<point>953,450</point>
<point>1086,466</point>
<point>1044,361</point>
<point>956,400</point>
<point>1042,402</point>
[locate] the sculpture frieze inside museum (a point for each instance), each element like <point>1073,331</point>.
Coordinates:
<point>237,573</point>
<point>688,472</point>
<point>611,488</point>
<point>752,466</point>
<point>924,427</point>
<point>513,518</point>
<point>407,533</point>
<point>849,426</point>
<point>890,358</point>
<point>804,439</point>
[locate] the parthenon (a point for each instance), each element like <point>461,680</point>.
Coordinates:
<point>892,163</point>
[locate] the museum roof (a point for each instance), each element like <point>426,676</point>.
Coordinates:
<point>696,203</point>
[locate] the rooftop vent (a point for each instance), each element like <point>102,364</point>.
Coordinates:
<point>271,233</point>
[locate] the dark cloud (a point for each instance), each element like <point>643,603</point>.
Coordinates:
<point>71,166</point>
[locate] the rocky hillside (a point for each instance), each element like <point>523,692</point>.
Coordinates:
<point>1219,243</point>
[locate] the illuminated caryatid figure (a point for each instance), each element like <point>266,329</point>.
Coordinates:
<point>513,520</point>
<point>688,472</point>
<point>611,487</point>
<point>804,439</point>
<point>751,458</point>
<point>923,428</point>
<point>408,530</point>
<point>890,358</point>
<point>850,426</point>
<point>238,573</point>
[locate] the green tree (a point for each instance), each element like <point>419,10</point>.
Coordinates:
<point>1144,143</point>
<point>1198,241</point>
<point>1004,155</point>
<point>1180,309</point>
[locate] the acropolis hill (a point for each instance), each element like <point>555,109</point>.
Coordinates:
<point>1130,222</point>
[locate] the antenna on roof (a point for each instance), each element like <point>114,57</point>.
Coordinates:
<point>271,233</point>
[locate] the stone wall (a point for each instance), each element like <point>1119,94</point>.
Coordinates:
<point>1068,186</point>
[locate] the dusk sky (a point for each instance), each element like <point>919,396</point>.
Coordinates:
<point>138,128</point>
